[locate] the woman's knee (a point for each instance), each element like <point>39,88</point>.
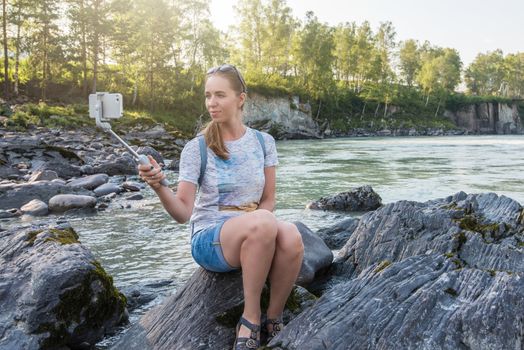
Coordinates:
<point>263,226</point>
<point>289,240</point>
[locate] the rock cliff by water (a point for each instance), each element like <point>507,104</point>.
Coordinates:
<point>287,118</point>
<point>281,117</point>
<point>488,118</point>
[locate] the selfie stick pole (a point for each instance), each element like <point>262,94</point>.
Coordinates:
<point>104,125</point>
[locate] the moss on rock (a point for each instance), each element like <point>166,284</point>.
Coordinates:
<point>86,305</point>
<point>474,224</point>
<point>63,236</point>
<point>31,236</point>
<point>383,265</point>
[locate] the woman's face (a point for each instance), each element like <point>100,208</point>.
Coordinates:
<point>222,102</point>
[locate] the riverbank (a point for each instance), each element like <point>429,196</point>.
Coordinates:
<point>288,117</point>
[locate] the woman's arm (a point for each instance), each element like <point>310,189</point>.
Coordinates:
<point>179,205</point>
<point>268,195</point>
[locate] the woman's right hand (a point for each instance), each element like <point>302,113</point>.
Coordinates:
<point>152,173</point>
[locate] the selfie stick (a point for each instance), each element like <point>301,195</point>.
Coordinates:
<point>102,123</point>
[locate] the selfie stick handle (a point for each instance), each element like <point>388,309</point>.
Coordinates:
<point>140,158</point>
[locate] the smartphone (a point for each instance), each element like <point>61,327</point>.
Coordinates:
<point>110,106</point>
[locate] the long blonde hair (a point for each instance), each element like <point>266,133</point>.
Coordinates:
<point>211,131</point>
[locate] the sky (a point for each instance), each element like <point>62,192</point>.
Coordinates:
<point>469,26</point>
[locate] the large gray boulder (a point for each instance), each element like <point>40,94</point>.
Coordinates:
<point>54,294</point>
<point>89,182</point>
<point>64,202</point>
<point>422,302</point>
<point>203,314</point>
<point>317,256</point>
<point>444,274</point>
<point>123,165</point>
<point>106,189</point>
<point>357,199</point>
<point>337,235</point>
<point>15,195</point>
<point>35,208</point>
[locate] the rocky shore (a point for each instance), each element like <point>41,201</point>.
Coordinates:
<point>446,273</point>
<point>55,171</point>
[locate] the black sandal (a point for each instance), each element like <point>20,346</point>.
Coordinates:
<point>277,325</point>
<point>253,342</point>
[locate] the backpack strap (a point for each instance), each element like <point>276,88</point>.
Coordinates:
<point>203,158</point>
<point>261,140</point>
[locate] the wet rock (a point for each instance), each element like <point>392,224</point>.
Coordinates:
<point>87,169</point>
<point>64,169</point>
<point>64,202</point>
<point>148,150</point>
<point>358,199</point>
<point>106,189</point>
<point>135,197</point>
<point>55,294</point>
<point>89,182</point>
<point>337,235</point>
<point>174,165</point>
<point>141,295</point>
<point>46,175</point>
<point>184,321</point>
<point>35,208</point>
<point>10,213</point>
<point>16,195</point>
<point>124,165</point>
<point>317,256</point>
<point>132,186</point>
<point>391,307</point>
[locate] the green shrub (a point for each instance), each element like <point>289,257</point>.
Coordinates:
<point>21,120</point>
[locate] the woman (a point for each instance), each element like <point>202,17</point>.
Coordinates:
<point>232,220</point>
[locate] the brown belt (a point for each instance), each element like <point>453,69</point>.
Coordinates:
<point>247,208</point>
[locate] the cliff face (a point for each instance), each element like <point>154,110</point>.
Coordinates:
<point>287,119</point>
<point>488,118</point>
<point>283,118</point>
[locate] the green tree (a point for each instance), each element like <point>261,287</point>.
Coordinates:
<point>440,73</point>
<point>345,58</point>
<point>363,47</point>
<point>276,45</point>
<point>251,31</point>
<point>485,74</point>
<point>19,19</point>
<point>409,60</point>
<point>313,55</point>
<point>6,56</point>
<point>45,41</point>
<point>514,75</point>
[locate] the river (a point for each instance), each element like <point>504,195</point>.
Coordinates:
<point>142,243</point>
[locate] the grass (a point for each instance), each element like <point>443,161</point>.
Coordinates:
<point>77,116</point>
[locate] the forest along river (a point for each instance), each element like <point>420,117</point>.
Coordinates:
<point>143,244</point>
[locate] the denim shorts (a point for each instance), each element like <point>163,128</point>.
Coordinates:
<point>207,252</point>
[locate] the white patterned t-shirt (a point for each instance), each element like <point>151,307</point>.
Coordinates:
<point>227,185</point>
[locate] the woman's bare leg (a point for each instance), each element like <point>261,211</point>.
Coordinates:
<point>285,267</point>
<point>249,241</point>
